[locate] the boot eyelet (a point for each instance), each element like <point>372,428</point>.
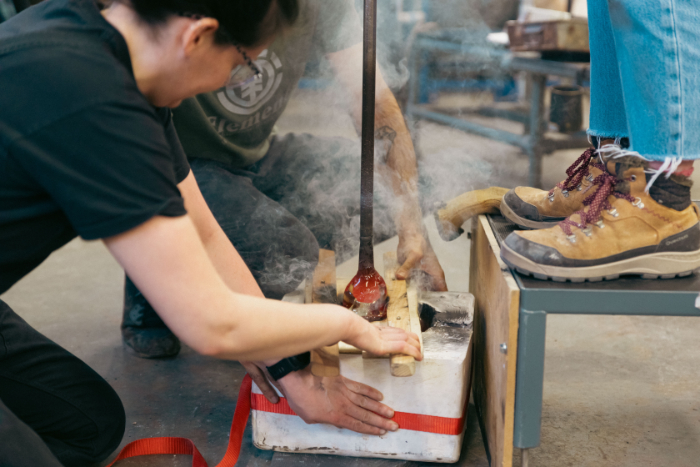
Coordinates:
<point>613,212</point>
<point>638,203</point>
<point>551,197</point>
<point>634,178</point>
<point>565,193</point>
<point>588,231</point>
<point>571,238</point>
<point>579,187</point>
<point>590,178</point>
<point>600,224</point>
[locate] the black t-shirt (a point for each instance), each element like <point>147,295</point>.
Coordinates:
<point>82,152</point>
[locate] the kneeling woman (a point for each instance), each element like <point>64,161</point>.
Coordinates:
<point>87,148</point>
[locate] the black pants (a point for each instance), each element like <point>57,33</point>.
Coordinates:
<point>54,409</point>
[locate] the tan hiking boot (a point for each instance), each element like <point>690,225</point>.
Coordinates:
<point>622,230</point>
<point>532,208</point>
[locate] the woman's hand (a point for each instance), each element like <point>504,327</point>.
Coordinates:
<point>337,401</point>
<point>382,340</point>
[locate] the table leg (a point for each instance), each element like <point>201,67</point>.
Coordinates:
<point>529,378</point>
<point>537,126</point>
<point>526,99</point>
<point>524,457</point>
<point>414,60</point>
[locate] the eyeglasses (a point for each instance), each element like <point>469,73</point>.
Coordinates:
<point>243,74</point>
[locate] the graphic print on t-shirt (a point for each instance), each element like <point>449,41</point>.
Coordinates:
<point>247,99</point>
<point>236,125</point>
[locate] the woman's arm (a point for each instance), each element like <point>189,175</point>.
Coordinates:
<point>168,262</point>
<point>338,401</point>
<point>223,255</point>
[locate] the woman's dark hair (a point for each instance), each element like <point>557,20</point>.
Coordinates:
<point>244,22</point>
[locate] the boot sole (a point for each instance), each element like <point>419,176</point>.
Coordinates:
<point>150,356</point>
<point>665,265</point>
<point>145,343</point>
<point>509,214</point>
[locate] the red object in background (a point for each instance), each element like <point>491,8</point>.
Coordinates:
<point>366,295</point>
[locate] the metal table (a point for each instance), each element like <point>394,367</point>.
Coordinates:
<point>479,56</point>
<point>624,296</point>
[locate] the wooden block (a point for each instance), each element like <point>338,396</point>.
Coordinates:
<point>412,296</point>
<point>397,314</point>
<point>497,300</point>
<point>322,289</point>
<point>324,283</point>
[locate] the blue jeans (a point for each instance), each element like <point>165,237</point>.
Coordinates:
<point>645,75</point>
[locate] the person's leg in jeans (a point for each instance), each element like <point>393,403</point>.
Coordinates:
<point>533,208</point>
<point>658,48</point>
<point>53,407</point>
<point>641,220</point>
<point>276,246</point>
<point>607,116</point>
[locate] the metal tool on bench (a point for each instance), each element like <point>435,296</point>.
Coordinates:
<point>366,294</point>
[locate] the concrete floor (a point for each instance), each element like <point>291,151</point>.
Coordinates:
<point>619,391</point>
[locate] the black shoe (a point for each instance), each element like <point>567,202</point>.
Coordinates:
<point>151,342</point>
<point>143,331</point>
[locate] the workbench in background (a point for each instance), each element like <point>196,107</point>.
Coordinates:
<point>468,54</point>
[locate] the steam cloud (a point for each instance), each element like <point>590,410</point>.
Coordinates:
<point>326,194</point>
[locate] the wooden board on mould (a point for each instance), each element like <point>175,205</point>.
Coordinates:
<point>497,300</point>
<point>325,361</point>
<point>400,314</point>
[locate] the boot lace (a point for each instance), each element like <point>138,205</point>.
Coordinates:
<point>577,171</point>
<point>596,203</point>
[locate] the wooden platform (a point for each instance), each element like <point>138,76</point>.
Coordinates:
<point>497,300</point>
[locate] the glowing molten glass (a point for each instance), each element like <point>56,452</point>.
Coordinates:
<point>366,295</point>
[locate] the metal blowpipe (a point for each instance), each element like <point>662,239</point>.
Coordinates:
<point>366,293</point>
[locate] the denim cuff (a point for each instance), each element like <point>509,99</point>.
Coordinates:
<point>605,134</point>
<point>663,157</point>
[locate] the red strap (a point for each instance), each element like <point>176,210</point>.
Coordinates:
<point>406,421</point>
<point>168,445</point>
